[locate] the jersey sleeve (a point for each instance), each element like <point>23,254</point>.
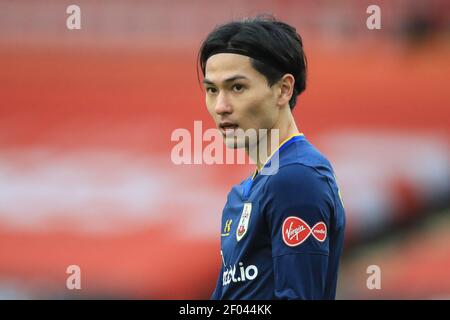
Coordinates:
<point>298,208</point>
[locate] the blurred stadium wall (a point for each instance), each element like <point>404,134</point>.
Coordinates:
<point>86,118</point>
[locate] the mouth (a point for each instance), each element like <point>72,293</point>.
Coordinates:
<point>228,128</point>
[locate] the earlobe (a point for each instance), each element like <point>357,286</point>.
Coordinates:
<point>280,95</point>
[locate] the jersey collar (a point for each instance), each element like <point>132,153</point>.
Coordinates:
<point>282,144</point>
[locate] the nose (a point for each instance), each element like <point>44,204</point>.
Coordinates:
<point>222,104</point>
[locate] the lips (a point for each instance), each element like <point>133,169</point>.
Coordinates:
<point>228,128</point>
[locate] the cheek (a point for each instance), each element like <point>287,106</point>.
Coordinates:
<point>261,110</point>
<point>210,107</point>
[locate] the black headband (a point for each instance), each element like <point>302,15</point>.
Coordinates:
<point>269,62</point>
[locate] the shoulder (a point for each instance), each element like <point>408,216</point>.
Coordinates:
<point>304,153</point>
<point>298,185</point>
<point>296,176</point>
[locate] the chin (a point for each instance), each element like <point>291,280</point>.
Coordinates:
<point>234,143</point>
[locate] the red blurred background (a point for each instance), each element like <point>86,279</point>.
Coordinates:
<point>86,118</point>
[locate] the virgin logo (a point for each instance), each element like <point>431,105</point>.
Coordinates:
<point>296,231</point>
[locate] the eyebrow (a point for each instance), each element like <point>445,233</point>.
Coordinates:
<point>231,79</point>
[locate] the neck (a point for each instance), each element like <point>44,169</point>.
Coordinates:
<point>285,126</point>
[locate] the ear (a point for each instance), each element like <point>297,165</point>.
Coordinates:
<point>286,85</point>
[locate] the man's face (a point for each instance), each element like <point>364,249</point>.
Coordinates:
<point>238,97</point>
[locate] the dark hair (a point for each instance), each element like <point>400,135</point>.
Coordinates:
<point>274,47</point>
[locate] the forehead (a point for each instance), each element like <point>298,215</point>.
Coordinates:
<point>224,65</point>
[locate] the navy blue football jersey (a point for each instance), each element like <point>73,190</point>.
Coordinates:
<point>282,233</point>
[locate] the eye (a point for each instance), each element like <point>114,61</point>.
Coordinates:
<point>211,90</point>
<point>238,87</point>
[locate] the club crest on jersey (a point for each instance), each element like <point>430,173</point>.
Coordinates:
<point>242,227</point>
<point>296,231</point>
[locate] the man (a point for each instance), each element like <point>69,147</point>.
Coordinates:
<point>282,232</point>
